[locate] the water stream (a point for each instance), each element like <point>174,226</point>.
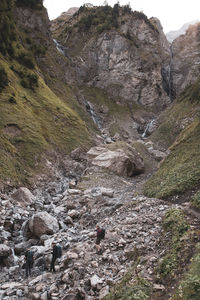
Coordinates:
<point>59,47</point>
<point>93,114</point>
<point>148,128</point>
<point>170,79</point>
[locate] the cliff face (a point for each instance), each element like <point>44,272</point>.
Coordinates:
<point>186,59</point>
<point>125,60</point>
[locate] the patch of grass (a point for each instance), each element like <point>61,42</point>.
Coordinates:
<point>3,78</point>
<point>189,288</point>
<point>180,169</point>
<point>195,201</point>
<point>175,224</point>
<point>45,124</point>
<point>26,59</point>
<point>139,289</point>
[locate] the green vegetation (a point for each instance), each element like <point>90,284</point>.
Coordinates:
<point>35,4</point>
<point>7,27</point>
<point>195,201</point>
<point>3,78</point>
<point>180,128</point>
<point>102,17</point>
<point>180,170</point>
<point>25,58</point>
<point>189,288</point>
<point>29,80</point>
<point>105,17</point>
<point>32,125</point>
<point>175,224</point>
<point>139,289</point>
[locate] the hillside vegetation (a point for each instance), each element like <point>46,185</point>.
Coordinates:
<point>180,171</point>
<point>34,120</point>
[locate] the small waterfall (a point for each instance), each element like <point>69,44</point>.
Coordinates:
<point>59,47</point>
<point>148,128</point>
<point>23,229</point>
<point>170,83</point>
<point>94,116</point>
<point>15,258</point>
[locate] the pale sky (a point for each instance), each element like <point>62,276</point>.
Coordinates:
<point>172,13</point>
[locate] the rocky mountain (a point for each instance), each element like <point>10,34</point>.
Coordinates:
<point>172,35</point>
<point>99,124</point>
<point>185,51</point>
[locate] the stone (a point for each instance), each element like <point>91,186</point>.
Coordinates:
<point>23,196</point>
<point>124,163</point>
<point>73,213</point>
<point>95,280</point>
<point>5,251</point>
<point>103,292</point>
<point>44,296</point>
<point>43,223</point>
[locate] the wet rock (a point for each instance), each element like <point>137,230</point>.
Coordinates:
<point>43,223</point>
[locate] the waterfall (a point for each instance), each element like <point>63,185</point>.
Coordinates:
<point>59,47</point>
<point>148,128</point>
<point>15,258</point>
<point>93,115</point>
<point>23,229</point>
<point>170,83</point>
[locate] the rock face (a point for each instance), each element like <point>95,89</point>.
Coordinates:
<point>125,62</point>
<point>123,163</point>
<point>186,59</point>
<point>43,223</point>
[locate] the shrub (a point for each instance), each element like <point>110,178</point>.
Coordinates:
<point>7,27</point>
<point>3,78</point>
<point>29,81</point>
<point>12,100</point>
<point>26,59</point>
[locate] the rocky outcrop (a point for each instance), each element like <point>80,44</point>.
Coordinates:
<point>186,59</point>
<point>125,62</point>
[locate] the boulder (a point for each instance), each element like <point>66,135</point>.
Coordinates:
<point>5,251</point>
<point>122,162</point>
<point>43,223</point>
<point>23,196</point>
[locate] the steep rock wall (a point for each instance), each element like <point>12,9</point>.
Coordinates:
<point>126,61</point>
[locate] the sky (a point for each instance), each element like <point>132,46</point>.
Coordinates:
<point>171,13</point>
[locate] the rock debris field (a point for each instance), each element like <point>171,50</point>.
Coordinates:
<point>68,213</point>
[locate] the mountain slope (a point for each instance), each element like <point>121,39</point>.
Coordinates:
<point>180,128</point>
<point>34,120</point>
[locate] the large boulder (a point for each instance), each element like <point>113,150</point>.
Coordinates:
<point>124,162</point>
<point>5,251</point>
<point>23,196</point>
<point>43,223</point>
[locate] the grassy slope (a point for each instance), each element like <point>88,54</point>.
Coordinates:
<point>180,171</point>
<point>43,122</point>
